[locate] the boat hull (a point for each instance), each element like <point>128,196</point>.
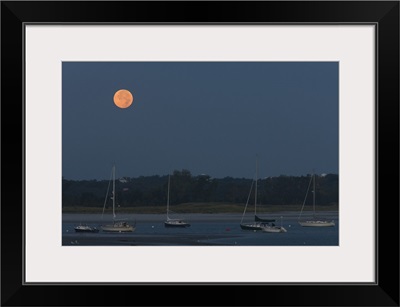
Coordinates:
<point>176,224</point>
<point>317,223</point>
<point>119,229</point>
<point>273,229</point>
<point>253,226</point>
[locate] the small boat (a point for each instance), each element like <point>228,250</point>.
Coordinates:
<point>177,223</point>
<point>85,228</point>
<point>118,225</point>
<point>314,221</point>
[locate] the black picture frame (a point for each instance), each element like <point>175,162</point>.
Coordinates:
<point>383,14</point>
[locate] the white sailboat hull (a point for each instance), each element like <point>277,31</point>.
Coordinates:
<point>119,227</point>
<point>176,223</point>
<point>317,223</point>
<point>111,228</point>
<point>275,229</point>
<point>85,228</point>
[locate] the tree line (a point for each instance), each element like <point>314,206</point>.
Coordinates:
<point>186,188</point>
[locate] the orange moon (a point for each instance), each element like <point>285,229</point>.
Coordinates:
<point>123,99</point>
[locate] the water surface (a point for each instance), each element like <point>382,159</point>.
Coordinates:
<point>205,229</point>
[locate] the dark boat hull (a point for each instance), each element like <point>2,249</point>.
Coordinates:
<point>175,225</point>
<point>251,227</point>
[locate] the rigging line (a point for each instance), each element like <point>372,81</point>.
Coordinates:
<point>105,200</point>
<point>247,202</point>
<point>308,189</point>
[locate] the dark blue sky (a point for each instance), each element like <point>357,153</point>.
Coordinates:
<point>207,117</point>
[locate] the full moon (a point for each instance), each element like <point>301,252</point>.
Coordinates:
<point>123,99</point>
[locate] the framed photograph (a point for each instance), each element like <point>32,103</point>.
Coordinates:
<point>202,146</point>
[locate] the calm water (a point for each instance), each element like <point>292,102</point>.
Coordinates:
<point>205,229</point>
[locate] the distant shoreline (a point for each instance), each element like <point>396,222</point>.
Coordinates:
<point>203,208</point>
<point>192,217</point>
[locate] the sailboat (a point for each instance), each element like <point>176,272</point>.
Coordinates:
<point>173,222</point>
<point>259,223</point>
<point>117,225</point>
<point>253,225</point>
<point>315,221</point>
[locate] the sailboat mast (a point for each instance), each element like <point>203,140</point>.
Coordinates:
<point>255,196</point>
<point>314,193</point>
<point>169,180</point>
<point>114,191</point>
